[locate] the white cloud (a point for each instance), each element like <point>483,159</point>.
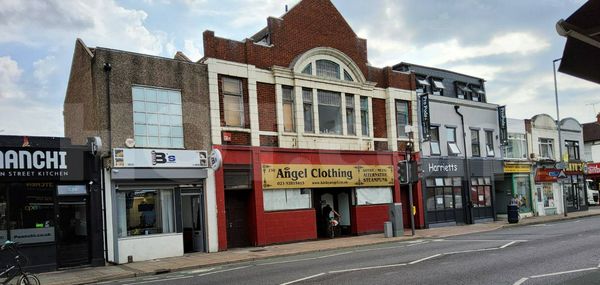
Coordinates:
<point>30,117</point>
<point>44,68</point>
<point>10,74</point>
<point>57,22</point>
<point>192,51</point>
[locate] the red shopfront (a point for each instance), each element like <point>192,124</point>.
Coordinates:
<point>273,195</point>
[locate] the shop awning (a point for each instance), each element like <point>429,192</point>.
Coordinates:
<point>581,56</point>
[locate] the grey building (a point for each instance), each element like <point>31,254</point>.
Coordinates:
<point>152,116</point>
<point>463,153</point>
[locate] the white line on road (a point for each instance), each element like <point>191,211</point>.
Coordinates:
<point>160,280</point>
<point>564,272</point>
<point>508,244</point>
<point>470,250</point>
<point>367,268</point>
<point>420,243</point>
<point>302,279</point>
<point>221,271</point>
<point>305,259</point>
<point>521,281</point>
<point>423,259</point>
<point>484,240</point>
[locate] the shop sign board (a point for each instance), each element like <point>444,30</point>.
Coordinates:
<point>548,174</point>
<point>502,124</point>
<point>593,168</point>
<point>425,117</point>
<point>442,167</point>
<point>159,158</point>
<point>286,176</point>
<point>516,168</point>
<point>35,164</point>
<point>33,235</point>
<point>575,167</point>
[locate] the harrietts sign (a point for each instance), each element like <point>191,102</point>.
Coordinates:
<point>36,164</point>
<point>442,167</point>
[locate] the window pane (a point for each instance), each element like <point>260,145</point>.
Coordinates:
<point>286,199</point>
<point>162,96</point>
<point>431,199</point>
<point>374,195</point>
<point>364,115</point>
<point>163,108</point>
<point>138,106</point>
<point>31,212</point>
<point>175,109</point>
<point>151,94</point>
<point>139,130</point>
<point>488,196</point>
<point>149,115</point>
<point>232,86</point>
<point>145,212</point>
<point>330,116</point>
<point>350,121</point>
<point>232,110</point>
<point>307,69</point>
<point>451,134</point>
<point>165,142</point>
<point>308,118</point>
<point>288,117</point>
<point>152,141</point>
<point>139,118</point>
<point>164,131</point>
<point>401,117</point>
<point>177,142</point>
<point>457,197</point>
<point>140,141</point>
<point>347,76</point>
<point>152,119</point>
<point>175,120</point>
<point>328,69</point>
<point>177,132</point>
<point>151,107</point>
<point>138,94</point>
<point>448,198</point>
<point>175,98</point>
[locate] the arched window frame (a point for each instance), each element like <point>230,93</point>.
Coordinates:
<point>347,68</point>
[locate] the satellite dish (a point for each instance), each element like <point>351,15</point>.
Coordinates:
<point>130,142</point>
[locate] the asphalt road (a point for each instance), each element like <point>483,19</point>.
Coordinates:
<point>555,253</point>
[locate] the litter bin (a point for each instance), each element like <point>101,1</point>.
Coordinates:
<point>513,214</point>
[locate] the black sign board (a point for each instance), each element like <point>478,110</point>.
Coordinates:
<point>502,124</point>
<point>42,164</point>
<point>442,167</point>
<point>425,116</point>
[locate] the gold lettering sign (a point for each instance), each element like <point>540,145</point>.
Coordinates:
<point>516,168</point>
<point>575,167</point>
<point>285,176</point>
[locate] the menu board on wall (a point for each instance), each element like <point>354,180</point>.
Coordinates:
<point>286,176</point>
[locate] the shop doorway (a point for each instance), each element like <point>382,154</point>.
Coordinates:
<point>339,199</point>
<point>72,231</point>
<point>237,217</point>
<point>192,218</point>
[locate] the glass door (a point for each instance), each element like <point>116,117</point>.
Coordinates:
<point>192,216</point>
<point>72,231</point>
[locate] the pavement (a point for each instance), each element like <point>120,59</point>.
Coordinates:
<point>202,260</point>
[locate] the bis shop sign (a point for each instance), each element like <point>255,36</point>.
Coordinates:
<point>159,158</point>
<point>36,164</point>
<point>287,176</point>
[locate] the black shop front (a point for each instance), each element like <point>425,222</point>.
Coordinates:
<point>50,202</point>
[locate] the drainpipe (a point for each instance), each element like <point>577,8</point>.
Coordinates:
<point>469,209</point>
<point>107,69</point>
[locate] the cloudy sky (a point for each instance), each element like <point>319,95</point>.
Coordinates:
<point>510,43</point>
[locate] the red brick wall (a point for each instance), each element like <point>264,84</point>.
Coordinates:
<point>379,118</point>
<point>245,98</point>
<point>267,118</point>
<point>369,219</point>
<point>238,138</point>
<point>288,226</point>
<point>269,141</point>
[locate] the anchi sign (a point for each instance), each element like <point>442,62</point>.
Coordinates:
<point>285,176</point>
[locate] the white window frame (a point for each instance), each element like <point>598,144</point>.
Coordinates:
<point>287,199</point>
<point>167,216</point>
<point>548,145</point>
<point>435,144</point>
<point>453,148</point>
<point>288,100</point>
<point>489,143</point>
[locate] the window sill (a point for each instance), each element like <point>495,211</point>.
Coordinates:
<point>236,129</point>
<point>149,236</point>
<point>330,136</point>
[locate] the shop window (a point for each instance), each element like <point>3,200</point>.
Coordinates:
<point>328,69</point>
<point>351,129</point>
<point>452,145</point>
<point>572,149</point>
<point>548,195</point>
<point>364,116</point>
<point>330,115</point>
<point>489,143</point>
<point>475,151</point>
<point>546,148</point>
<point>434,141</point>
<point>437,87</point>
<point>516,146</point>
<point>233,102</point>
<point>402,119</point>
<point>477,94</point>
<point>286,199</point>
<point>444,193</point>
<point>31,212</point>
<point>481,192</point>
<point>523,192</point>
<point>307,99</point>
<point>145,212</point>
<point>288,109</point>
<point>157,117</point>
<point>374,195</point>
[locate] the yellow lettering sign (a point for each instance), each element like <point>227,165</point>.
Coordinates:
<point>516,168</point>
<point>285,176</point>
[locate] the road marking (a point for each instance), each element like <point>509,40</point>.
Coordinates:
<point>367,268</point>
<point>160,280</point>
<point>423,259</point>
<point>302,279</point>
<point>564,272</point>
<point>521,281</point>
<point>470,250</point>
<point>202,270</point>
<point>508,244</point>
<point>305,259</point>
<point>484,240</point>
<point>221,271</point>
<point>420,243</point>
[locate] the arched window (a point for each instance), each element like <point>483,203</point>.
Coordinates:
<point>328,69</point>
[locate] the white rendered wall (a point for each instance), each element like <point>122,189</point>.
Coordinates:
<point>150,247</point>
<point>211,212</point>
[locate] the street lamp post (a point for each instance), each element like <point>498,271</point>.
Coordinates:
<point>560,151</point>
